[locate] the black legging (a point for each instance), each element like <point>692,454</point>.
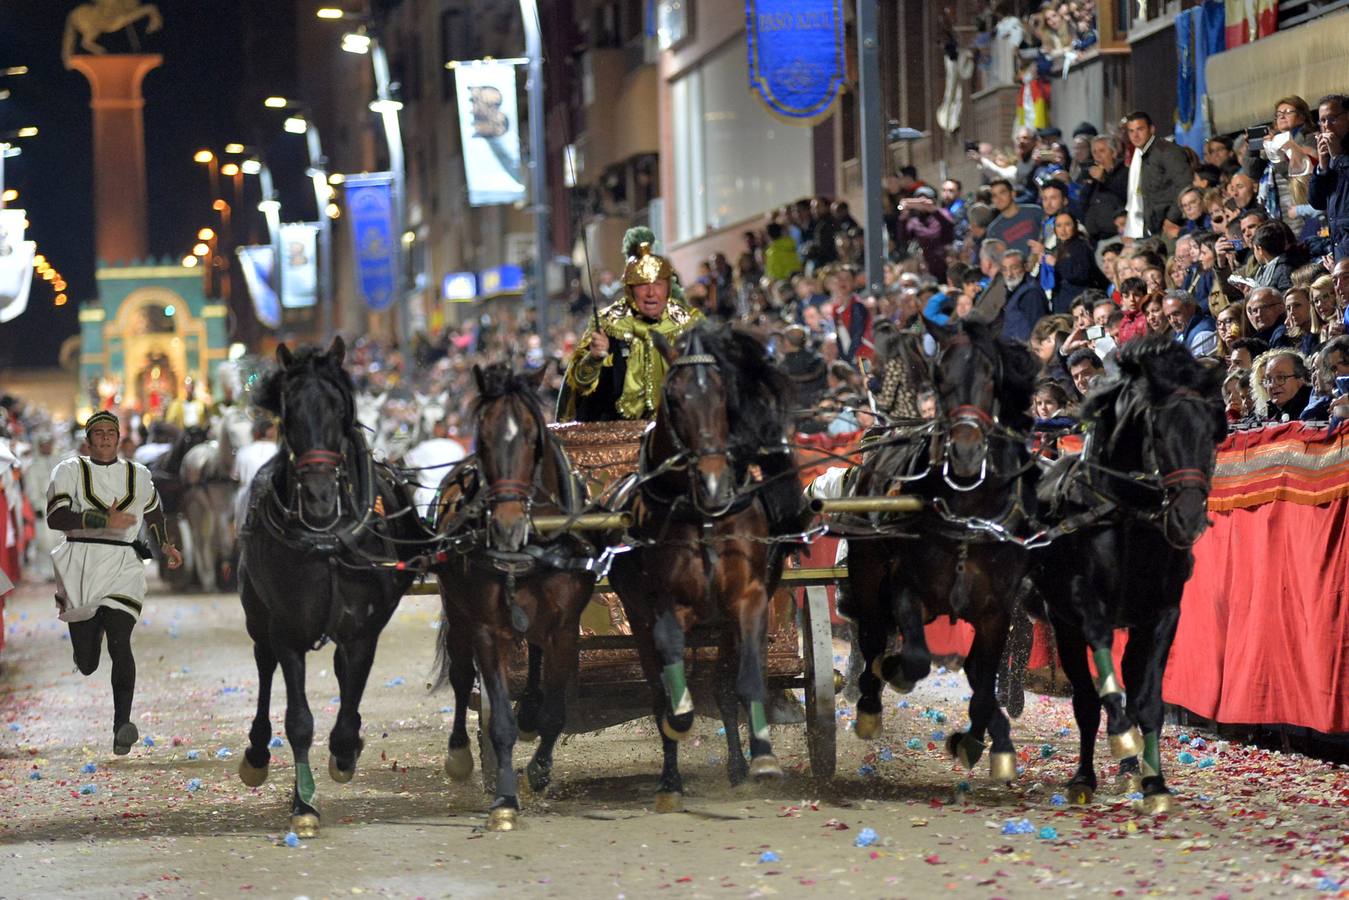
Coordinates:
<point>87,640</point>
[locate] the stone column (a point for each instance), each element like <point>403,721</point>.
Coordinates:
<point>119,151</point>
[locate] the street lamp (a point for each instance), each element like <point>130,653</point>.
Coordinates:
<point>364,42</point>
<point>7,150</point>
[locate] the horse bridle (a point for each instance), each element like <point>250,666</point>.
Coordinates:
<point>684,456</point>
<point>1170,485</point>
<point>969,415</point>
<point>321,460</point>
<point>508,490</point>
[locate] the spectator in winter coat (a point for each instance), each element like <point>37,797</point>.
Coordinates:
<point>781,261</point>
<point>1329,187</point>
<point>1158,172</point>
<point>1026,302</point>
<point>1192,329</point>
<point>1074,264</point>
<point>929,226</point>
<point>1104,186</point>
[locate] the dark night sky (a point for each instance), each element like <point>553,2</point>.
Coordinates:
<point>190,102</point>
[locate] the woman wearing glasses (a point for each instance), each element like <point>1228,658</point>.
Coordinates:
<point>1282,160</point>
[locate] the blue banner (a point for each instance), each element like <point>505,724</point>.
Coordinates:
<point>796,57</point>
<point>370,211</point>
<point>1200,33</point>
<point>499,280</point>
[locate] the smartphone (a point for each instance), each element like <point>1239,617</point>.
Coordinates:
<point>1095,332</point>
<point>1259,132</point>
<point>1237,244</point>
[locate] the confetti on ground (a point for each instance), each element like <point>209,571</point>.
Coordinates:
<point>768,856</point>
<point>292,839</point>
<point>224,753</point>
<point>866,838</point>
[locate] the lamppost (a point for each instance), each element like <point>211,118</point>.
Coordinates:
<point>301,122</point>
<point>365,42</point>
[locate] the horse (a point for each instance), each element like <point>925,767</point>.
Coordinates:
<point>956,557</point>
<point>327,551</point>
<point>1128,512</point>
<point>509,582</point>
<point>99,17</point>
<point>209,488</point>
<point>702,548</point>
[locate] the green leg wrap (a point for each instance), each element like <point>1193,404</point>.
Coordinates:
<point>1151,763</point>
<point>677,689</point>
<point>1105,673</point>
<point>758,722</point>
<point>304,783</point>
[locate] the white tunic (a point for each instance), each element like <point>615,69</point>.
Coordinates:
<point>92,575</point>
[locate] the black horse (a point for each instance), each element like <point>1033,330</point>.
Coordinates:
<point>508,582</point>
<point>1129,510</point>
<point>702,548</point>
<point>959,556</point>
<point>320,548</point>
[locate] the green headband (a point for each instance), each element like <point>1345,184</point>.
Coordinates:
<point>101,416</point>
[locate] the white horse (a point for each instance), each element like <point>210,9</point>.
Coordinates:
<point>208,497</point>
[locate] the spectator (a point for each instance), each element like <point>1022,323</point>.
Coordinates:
<point>1218,153</point>
<point>1047,341</point>
<point>1245,351</point>
<point>852,318</point>
<point>994,295</point>
<point>1300,322</point>
<point>1207,177</point>
<point>1323,301</point>
<point>1085,367</point>
<point>804,366</point>
<point>843,217</point>
<point>1237,395</point>
<point>1074,263</point>
<point>819,249</point>
<point>1193,219</point>
<point>1026,302</point>
<point>1020,173</point>
<point>1191,328</point>
<point>1328,190</point>
<point>1158,172</point>
<point>929,226</point>
<point>1231,327</point>
<point>1265,311</point>
<point>1241,189</point>
<point>1286,385</point>
<point>952,200</point>
<point>1135,323</point>
<point>1015,225</point>
<point>1270,243</point>
<point>780,257</point>
<point>1155,313</point>
<point>1103,188</point>
<point>1281,162</point>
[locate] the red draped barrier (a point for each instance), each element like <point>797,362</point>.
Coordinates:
<point>1264,626</point>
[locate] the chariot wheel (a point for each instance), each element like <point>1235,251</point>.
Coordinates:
<point>817,651</point>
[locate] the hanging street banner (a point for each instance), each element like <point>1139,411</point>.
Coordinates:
<point>796,56</point>
<point>489,130</point>
<point>299,265</point>
<point>370,211</point>
<point>16,264</point>
<point>257,262</point>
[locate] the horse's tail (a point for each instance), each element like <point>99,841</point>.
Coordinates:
<point>442,671</point>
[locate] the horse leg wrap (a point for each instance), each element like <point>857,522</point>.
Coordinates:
<point>758,723</point>
<point>677,688</point>
<point>1151,762</point>
<point>1105,668</point>
<point>304,783</point>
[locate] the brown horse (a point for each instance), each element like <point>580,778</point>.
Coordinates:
<point>503,582</point>
<point>702,551</point>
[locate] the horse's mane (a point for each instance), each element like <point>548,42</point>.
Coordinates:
<point>306,360</point>
<point>759,395</point>
<point>1163,366</point>
<point>500,380</point>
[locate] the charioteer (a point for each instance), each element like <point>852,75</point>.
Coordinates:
<point>616,372</point>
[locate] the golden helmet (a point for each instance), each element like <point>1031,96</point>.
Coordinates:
<point>645,267</point>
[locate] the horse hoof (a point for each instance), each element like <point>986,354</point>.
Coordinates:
<point>1129,783</point>
<point>526,736</point>
<point>967,750</point>
<point>539,777</point>
<point>1080,794</point>
<point>1002,767</point>
<point>250,775</point>
<point>305,825</point>
<point>503,818</point>
<point>673,733</point>
<point>1130,743</point>
<point>1157,804</point>
<point>669,802</point>
<point>761,768</point>
<point>868,725</point>
<point>337,773</point>
<point>459,763</point>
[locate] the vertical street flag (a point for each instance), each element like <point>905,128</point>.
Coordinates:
<point>370,212</point>
<point>796,56</point>
<point>257,262</point>
<point>299,265</point>
<point>16,264</point>
<point>489,129</point>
